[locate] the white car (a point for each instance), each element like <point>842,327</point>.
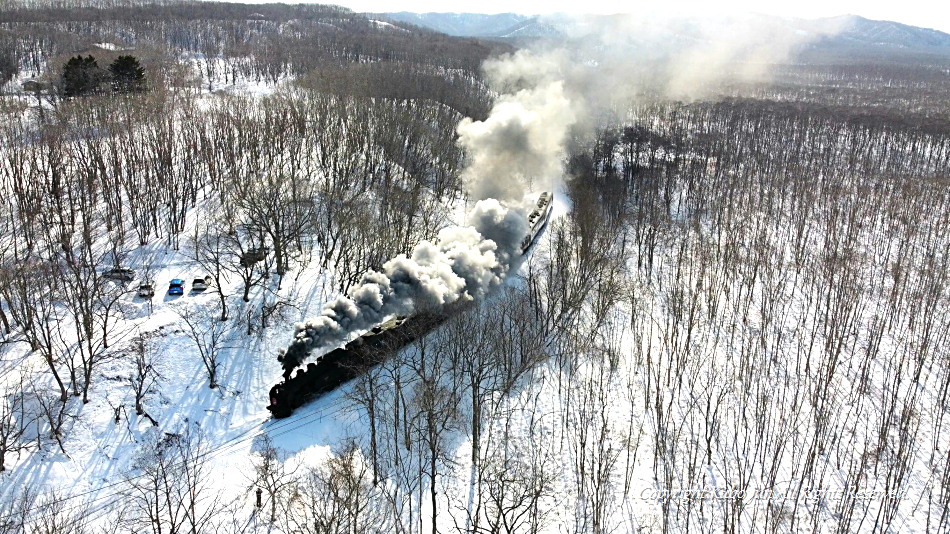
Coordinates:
<point>146,289</point>
<point>200,284</point>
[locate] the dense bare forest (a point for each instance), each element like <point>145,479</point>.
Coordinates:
<point>735,323</point>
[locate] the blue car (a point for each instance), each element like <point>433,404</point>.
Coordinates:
<point>176,287</point>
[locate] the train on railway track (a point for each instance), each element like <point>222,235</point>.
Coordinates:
<point>345,363</point>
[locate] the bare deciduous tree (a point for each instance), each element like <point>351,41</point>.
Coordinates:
<point>209,336</point>
<point>14,420</point>
<point>271,476</point>
<point>144,374</point>
<point>169,489</point>
<point>338,498</point>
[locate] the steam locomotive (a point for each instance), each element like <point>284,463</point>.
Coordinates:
<point>345,363</point>
<point>348,362</point>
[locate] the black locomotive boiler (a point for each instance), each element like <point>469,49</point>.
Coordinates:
<point>345,363</point>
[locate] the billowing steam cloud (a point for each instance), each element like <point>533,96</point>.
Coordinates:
<point>522,139</point>
<point>465,263</point>
<point>519,145</point>
<point>611,62</point>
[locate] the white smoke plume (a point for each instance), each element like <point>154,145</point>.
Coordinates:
<point>545,91</point>
<point>465,263</point>
<point>611,61</point>
<point>519,145</point>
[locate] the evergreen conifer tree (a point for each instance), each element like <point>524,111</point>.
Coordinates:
<point>81,76</point>
<point>128,76</point>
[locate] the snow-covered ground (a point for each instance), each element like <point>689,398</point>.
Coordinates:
<point>662,386</point>
<point>104,439</point>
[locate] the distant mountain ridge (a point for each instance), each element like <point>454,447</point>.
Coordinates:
<point>885,32</point>
<point>856,31</point>
<point>463,24</point>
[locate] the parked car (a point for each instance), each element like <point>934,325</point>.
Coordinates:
<point>176,287</point>
<point>200,284</point>
<point>120,273</point>
<point>146,289</point>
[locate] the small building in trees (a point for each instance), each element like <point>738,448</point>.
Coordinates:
<point>34,86</point>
